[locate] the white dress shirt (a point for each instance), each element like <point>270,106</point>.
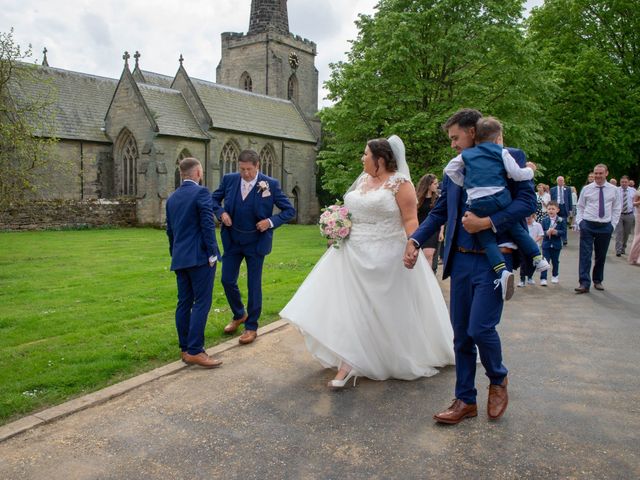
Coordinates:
<point>588,204</point>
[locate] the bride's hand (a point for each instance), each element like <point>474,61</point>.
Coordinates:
<point>410,254</point>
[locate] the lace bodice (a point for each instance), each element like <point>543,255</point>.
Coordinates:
<point>374,212</point>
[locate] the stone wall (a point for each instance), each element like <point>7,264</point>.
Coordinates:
<point>55,214</point>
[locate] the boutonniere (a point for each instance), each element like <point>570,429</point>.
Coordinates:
<point>263,187</point>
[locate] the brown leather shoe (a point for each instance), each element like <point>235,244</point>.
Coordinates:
<point>581,289</point>
<point>498,400</point>
<point>182,354</point>
<point>457,412</point>
<point>247,337</point>
<point>233,325</point>
<point>201,359</point>
<point>598,286</point>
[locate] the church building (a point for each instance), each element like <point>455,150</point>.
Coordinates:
<point>125,136</point>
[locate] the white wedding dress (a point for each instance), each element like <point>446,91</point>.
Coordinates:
<point>361,305</point>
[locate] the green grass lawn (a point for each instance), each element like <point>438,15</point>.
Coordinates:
<point>80,310</point>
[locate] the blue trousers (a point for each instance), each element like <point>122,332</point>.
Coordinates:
<point>475,309</point>
<point>230,271</point>
<point>594,239</point>
<point>564,213</point>
<point>485,206</point>
<point>195,288</point>
<point>553,256</point>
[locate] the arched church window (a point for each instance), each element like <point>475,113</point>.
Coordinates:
<point>128,153</point>
<point>245,82</point>
<point>292,88</point>
<point>267,160</point>
<point>229,158</point>
<point>177,179</point>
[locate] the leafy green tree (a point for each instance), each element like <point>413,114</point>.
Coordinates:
<point>25,151</point>
<point>591,48</point>
<point>413,64</point>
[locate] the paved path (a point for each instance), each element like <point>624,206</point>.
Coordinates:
<point>574,409</point>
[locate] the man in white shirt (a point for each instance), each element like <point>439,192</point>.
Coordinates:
<point>627,218</point>
<point>597,215</point>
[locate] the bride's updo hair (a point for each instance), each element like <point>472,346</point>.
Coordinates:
<point>380,149</point>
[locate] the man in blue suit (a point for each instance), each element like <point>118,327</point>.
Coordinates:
<point>562,194</point>
<point>247,234</point>
<point>194,253</point>
<point>476,300</point>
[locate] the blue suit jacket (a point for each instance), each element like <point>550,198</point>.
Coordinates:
<point>448,207</point>
<point>555,241</point>
<point>262,208</point>
<point>568,200</point>
<point>190,226</point>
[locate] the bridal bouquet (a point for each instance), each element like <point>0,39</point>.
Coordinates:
<point>335,224</point>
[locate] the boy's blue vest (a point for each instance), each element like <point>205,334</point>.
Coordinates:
<point>484,166</point>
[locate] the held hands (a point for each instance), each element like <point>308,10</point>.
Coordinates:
<point>410,255</point>
<point>225,218</point>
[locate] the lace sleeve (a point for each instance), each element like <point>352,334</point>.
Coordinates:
<point>394,182</point>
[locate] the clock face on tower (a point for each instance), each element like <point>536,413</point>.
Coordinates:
<point>293,60</point>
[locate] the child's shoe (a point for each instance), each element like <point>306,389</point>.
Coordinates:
<point>542,265</point>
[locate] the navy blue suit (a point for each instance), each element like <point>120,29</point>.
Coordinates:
<point>551,245</point>
<point>192,241</point>
<point>475,304</point>
<point>566,207</point>
<point>242,241</point>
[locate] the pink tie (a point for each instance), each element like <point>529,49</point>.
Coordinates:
<point>245,190</point>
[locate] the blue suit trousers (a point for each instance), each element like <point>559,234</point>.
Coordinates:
<point>195,289</point>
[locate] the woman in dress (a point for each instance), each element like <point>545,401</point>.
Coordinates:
<point>360,310</point>
<point>634,253</point>
<point>427,193</point>
<point>542,200</point>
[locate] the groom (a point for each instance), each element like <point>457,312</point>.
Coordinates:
<point>247,233</point>
<point>476,304</point>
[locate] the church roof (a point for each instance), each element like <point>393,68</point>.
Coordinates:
<point>157,79</point>
<point>79,101</point>
<point>171,112</point>
<point>242,111</point>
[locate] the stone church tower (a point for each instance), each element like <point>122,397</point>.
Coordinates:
<point>270,60</point>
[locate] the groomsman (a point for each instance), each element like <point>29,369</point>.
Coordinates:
<point>627,218</point>
<point>562,194</point>
<point>598,214</point>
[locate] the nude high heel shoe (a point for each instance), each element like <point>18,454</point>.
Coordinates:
<point>336,384</point>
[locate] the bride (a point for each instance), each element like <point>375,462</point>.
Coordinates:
<point>360,310</point>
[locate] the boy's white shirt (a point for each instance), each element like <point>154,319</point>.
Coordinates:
<point>455,167</point>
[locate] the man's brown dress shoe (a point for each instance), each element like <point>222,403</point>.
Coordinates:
<point>233,325</point>
<point>581,289</point>
<point>598,286</point>
<point>457,412</point>
<point>201,359</point>
<point>247,337</point>
<point>498,400</point>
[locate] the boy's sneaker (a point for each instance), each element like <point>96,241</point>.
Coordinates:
<point>531,281</point>
<point>521,283</point>
<point>507,283</point>
<point>555,280</point>
<point>543,283</point>
<point>542,265</point>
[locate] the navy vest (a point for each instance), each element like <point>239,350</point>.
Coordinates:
<point>484,166</point>
<point>244,229</point>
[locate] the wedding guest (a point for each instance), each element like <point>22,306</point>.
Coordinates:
<point>526,265</point>
<point>634,253</point>
<point>562,195</point>
<point>427,192</point>
<point>194,255</point>
<point>476,305</point>
<point>359,310</point>
<point>627,218</point>
<point>597,216</point>
<point>613,182</point>
<point>590,178</point>
<point>542,199</point>
<point>632,183</point>
<point>553,227</point>
<point>574,201</point>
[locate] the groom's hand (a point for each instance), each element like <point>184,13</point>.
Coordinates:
<point>474,224</point>
<point>410,254</point>
<point>225,218</point>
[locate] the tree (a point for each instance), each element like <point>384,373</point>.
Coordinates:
<point>592,49</point>
<point>24,120</point>
<point>416,62</point>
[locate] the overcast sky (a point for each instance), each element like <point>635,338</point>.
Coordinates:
<point>90,37</point>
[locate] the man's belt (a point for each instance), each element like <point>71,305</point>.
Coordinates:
<point>482,252</point>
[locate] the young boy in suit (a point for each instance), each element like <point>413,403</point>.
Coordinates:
<point>554,228</point>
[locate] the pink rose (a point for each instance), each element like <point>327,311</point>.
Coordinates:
<point>343,232</point>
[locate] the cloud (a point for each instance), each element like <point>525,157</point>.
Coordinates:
<point>97,29</point>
